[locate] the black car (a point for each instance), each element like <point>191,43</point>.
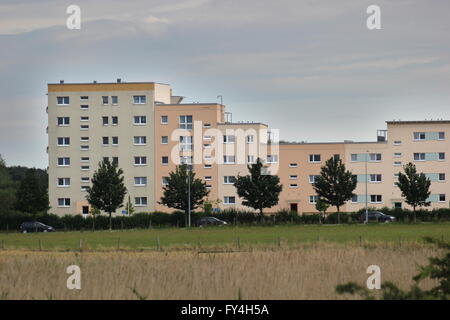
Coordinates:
<point>210,221</point>
<point>377,216</point>
<point>35,226</point>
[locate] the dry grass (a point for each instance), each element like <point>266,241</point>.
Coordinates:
<point>305,272</point>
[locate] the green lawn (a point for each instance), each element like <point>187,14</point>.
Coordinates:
<point>258,235</point>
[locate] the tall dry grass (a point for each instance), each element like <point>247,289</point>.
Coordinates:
<point>305,272</point>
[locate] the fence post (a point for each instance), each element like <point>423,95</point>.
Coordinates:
<point>40,247</point>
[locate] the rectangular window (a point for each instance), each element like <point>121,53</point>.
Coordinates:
<point>293,185</point>
<point>164,140</point>
<point>63,141</point>
<point>164,160</point>
<point>140,161</point>
<point>442,197</point>
<point>397,155</point>
<point>208,138</point>
<point>84,127</point>
<point>139,99</point>
<point>84,98</point>
<point>229,139</point>
<point>105,100</point>
<point>397,143</point>
<point>292,177</point>
<point>292,165</point>
<point>115,141</point>
<point>186,122</point>
<point>64,202</point>
<point>84,107</point>
<point>313,199</point>
<point>165,181</point>
<point>62,101</point>
<point>140,201</point>
<point>354,157</point>
<point>441,155</point>
<point>207,145</point>
<point>140,140</point>
<point>314,158</point>
<point>63,162</point>
<point>115,160</point>
<point>63,182</point>
<point>228,159</point>
<point>140,120</point>
<point>397,163</point>
<point>207,166</point>
<point>375,157</point>
<point>115,120</point>
<point>84,139</point>
<point>185,143</point>
<point>272,158</point>
<point>164,119</point>
<point>84,179</point>
<point>312,178</point>
<point>355,198</point>
<point>441,176</point>
<point>63,121</point>
<point>229,200</point>
<point>375,178</point>
<point>419,136</point>
<point>84,159</point>
<point>208,178</point>
<point>85,147</point>
<point>84,188</point>
<point>105,121</point>
<point>84,168</point>
<point>207,125</point>
<point>105,141</point>
<point>441,135</point>
<point>376,198</point>
<point>250,139</point>
<point>419,156</point>
<point>250,159</point>
<point>84,118</point>
<point>115,100</point>
<point>140,181</point>
<point>229,179</point>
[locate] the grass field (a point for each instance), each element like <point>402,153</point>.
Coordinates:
<point>281,235</point>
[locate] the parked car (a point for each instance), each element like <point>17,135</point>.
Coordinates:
<point>35,226</point>
<point>210,221</point>
<point>377,216</point>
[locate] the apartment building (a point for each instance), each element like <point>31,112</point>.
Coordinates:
<point>148,131</point>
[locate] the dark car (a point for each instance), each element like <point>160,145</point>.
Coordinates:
<point>377,216</point>
<point>210,221</point>
<point>35,226</point>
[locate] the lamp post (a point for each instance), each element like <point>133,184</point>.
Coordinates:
<point>367,211</point>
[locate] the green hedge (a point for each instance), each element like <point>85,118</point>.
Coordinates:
<point>11,220</point>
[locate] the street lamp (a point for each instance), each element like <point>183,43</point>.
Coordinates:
<point>367,211</point>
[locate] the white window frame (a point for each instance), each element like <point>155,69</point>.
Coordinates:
<point>226,158</point>
<point>373,157</point>
<point>272,158</point>
<point>138,181</point>
<point>141,140</point>
<point>66,203</point>
<point>226,200</point>
<point>65,182</point>
<point>293,165</point>
<point>64,162</point>
<point>250,138</point>
<point>139,99</point>
<point>162,140</point>
<point>420,156</point>
<point>376,175</point>
<point>140,162</point>
<point>103,100</point>
<point>439,135</point>
<point>226,179</point>
<point>64,103</point>
<point>167,119</point>
<point>162,160</point>
<point>142,120</point>
<point>417,136</point>
<point>186,143</point>
<point>143,201</point>
<point>64,123</point>
<point>64,144</point>
<point>228,139</point>
<point>313,199</point>
<point>184,124</point>
<point>445,197</point>
<point>112,100</point>
<point>313,156</point>
<point>376,198</point>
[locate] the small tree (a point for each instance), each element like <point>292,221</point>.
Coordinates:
<point>335,184</point>
<point>32,194</point>
<point>175,192</point>
<point>129,206</point>
<point>108,189</point>
<point>94,212</point>
<point>258,190</point>
<point>415,187</point>
<point>322,207</point>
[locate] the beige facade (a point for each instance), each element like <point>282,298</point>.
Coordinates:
<point>149,131</point>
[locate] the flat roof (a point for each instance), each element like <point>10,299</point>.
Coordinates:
<point>334,142</point>
<point>417,121</point>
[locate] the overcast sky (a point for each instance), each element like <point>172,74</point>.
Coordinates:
<point>309,68</point>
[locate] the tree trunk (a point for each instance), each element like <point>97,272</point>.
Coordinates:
<point>110,221</point>
<point>261,215</point>
<point>339,215</point>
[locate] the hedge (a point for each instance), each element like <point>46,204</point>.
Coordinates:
<point>11,221</point>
